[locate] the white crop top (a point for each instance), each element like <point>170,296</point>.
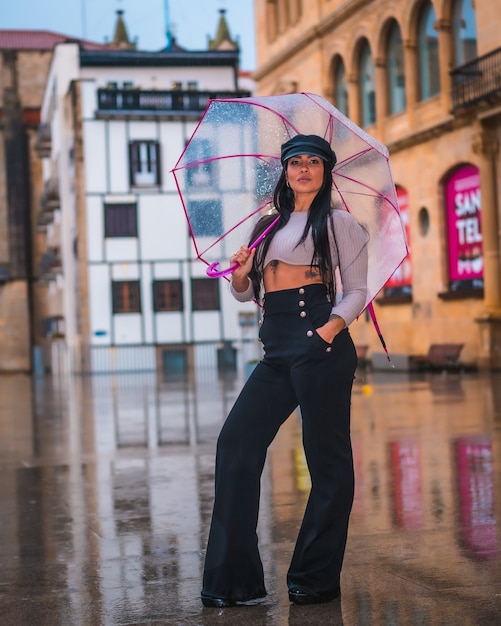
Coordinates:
<point>351,262</point>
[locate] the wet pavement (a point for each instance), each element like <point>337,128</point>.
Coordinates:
<point>106,493</point>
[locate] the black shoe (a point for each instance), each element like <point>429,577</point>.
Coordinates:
<point>212,602</point>
<point>216,603</point>
<point>298,596</point>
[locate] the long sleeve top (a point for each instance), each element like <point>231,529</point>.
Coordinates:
<point>348,254</point>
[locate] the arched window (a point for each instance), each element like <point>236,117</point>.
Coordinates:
<point>272,19</point>
<point>367,85</point>
<point>465,32</point>
<point>428,53</point>
<point>283,15</point>
<point>396,75</point>
<point>341,88</point>
<point>294,11</point>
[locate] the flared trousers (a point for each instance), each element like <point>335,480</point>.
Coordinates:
<point>300,369</point>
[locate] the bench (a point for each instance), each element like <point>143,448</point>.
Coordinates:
<point>441,356</point>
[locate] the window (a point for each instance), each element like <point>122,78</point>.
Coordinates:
<point>120,220</point>
<point>192,85</point>
<point>396,76</point>
<point>267,173</point>
<point>201,175</point>
<point>424,221</point>
<point>126,296</point>
<point>205,217</point>
<point>295,10</point>
<point>144,160</point>
<point>204,294</point>
<point>167,295</point>
<point>341,88</point>
<point>272,19</point>
<point>367,86</point>
<point>53,326</point>
<point>465,32</point>
<point>429,70</point>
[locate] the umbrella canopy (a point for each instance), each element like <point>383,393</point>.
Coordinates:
<point>229,168</point>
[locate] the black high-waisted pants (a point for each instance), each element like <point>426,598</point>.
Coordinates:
<point>298,368</point>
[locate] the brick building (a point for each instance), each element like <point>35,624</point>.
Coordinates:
<point>24,63</point>
<point>422,77</point>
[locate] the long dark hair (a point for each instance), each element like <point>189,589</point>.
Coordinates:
<point>317,221</point>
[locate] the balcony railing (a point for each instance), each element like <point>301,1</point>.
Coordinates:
<point>50,265</point>
<point>168,102</point>
<point>476,81</point>
<point>43,144</point>
<point>49,200</point>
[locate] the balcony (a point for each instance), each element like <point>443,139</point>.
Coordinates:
<point>50,265</point>
<point>43,144</point>
<point>43,220</point>
<point>49,200</point>
<point>477,81</point>
<point>175,102</point>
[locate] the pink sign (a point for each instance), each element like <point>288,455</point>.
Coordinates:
<point>403,275</point>
<point>464,224</point>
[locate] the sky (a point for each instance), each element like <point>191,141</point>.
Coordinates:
<point>192,21</point>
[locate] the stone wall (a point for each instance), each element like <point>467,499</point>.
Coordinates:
<point>426,142</point>
<point>22,303</point>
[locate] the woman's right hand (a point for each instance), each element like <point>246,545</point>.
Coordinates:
<point>244,257</point>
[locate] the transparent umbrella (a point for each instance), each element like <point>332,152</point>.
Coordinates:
<point>228,169</point>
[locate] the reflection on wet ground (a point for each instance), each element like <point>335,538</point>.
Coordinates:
<point>106,494</point>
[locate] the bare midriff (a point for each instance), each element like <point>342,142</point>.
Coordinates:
<point>279,275</point>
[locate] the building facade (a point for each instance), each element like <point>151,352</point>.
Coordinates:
<point>421,77</point>
<point>125,292</point>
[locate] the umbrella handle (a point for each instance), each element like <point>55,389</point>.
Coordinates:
<point>213,272</point>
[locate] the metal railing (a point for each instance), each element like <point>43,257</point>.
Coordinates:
<point>50,200</point>
<point>476,81</point>
<point>43,144</point>
<point>50,265</point>
<point>174,361</point>
<point>175,101</point>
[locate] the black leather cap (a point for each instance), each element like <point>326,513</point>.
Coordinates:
<point>308,144</point>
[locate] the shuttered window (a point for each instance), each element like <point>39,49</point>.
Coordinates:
<point>204,294</point>
<point>168,295</point>
<point>120,220</point>
<point>144,163</point>
<point>126,296</point>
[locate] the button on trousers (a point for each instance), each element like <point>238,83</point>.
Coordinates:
<point>298,369</point>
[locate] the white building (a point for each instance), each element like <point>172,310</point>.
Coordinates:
<point>124,289</point>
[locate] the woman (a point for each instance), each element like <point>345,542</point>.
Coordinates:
<point>309,361</point>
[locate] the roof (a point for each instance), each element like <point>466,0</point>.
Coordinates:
<point>174,46</point>
<point>136,58</point>
<point>41,40</point>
